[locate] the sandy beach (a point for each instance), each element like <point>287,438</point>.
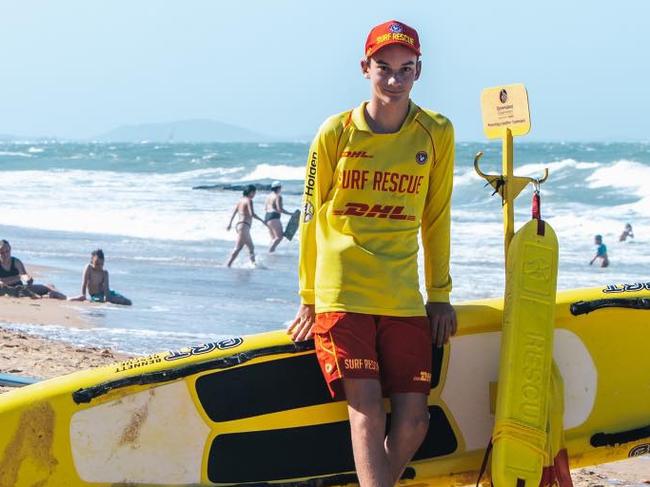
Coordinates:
<point>43,311</point>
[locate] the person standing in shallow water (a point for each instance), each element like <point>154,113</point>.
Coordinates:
<point>376,176</point>
<point>601,252</point>
<point>274,210</point>
<point>246,213</point>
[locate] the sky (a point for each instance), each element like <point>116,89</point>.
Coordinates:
<point>78,68</point>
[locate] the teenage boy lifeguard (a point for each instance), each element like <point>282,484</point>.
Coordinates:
<point>375,176</point>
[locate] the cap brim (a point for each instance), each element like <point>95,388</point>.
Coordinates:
<point>377,48</point>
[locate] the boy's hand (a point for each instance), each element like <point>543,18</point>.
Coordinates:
<point>442,318</point>
<point>300,329</point>
<point>228,227</point>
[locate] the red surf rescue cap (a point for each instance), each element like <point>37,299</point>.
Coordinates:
<point>392,32</point>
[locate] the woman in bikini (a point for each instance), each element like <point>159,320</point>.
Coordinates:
<point>244,208</point>
<point>14,279</point>
<point>274,209</point>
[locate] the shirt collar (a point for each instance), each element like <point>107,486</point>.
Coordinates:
<point>359,118</point>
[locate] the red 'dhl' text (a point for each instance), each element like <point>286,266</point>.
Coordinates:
<point>374,211</point>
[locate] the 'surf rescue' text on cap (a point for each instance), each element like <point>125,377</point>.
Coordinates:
<point>392,32</point>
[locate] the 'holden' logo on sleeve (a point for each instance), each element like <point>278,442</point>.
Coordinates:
<point>421,157</point>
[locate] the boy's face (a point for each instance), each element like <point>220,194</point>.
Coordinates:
<point>392,71</point>
<point>97,262</point>
<point>598,241</point>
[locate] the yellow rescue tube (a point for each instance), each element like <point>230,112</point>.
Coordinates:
<point>520,434</point>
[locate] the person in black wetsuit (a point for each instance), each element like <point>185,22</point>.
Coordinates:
<point>14,277</point>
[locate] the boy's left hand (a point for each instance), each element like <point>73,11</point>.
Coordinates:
<point>442,318</point>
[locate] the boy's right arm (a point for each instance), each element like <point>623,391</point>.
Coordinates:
<point>107,286</point>
<point>84,280</point>
<point>319,177</point>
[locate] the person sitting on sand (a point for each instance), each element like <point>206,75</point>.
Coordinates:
<point>95,282</point>
<point>627,232</point>
<point>274,209</point>
<point>244,208</point>
<point>601,252</point>
<point>15,280</point>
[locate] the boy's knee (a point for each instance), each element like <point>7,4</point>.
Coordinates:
<point>413,425</point>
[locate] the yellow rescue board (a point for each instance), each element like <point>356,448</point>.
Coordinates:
<point>254,409</point>
<point>520,433</point>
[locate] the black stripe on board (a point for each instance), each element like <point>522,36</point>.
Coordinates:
<point>310,451</point>
<point>273,386</point>
<point>621,437</point>
<point>583,307</point>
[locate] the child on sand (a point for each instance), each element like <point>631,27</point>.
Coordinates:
<point>244,208</point>
<point>95,282</point>
<point>601,252</point>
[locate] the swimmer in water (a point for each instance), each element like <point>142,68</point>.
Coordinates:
<point>601,252</point>
<point>627,232</point>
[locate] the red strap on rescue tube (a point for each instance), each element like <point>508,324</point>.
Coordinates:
<point>537,206</point>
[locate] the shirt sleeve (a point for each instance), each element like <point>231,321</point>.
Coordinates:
<point>436,219</point>
<point>318,182</point>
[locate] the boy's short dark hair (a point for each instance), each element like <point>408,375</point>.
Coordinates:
<point>99,253</point>
<point>4,242</point>
<point>249,189</point>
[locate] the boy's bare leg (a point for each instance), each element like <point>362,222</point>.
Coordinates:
<point>368,427</point>
<point>409,423</point>
<point>118,300</point>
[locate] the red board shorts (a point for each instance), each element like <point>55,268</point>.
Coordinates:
<point>392,349</point>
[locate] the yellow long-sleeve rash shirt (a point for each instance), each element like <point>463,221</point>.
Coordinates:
<point>366,196</point>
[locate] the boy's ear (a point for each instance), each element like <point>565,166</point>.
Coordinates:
<point>418,69</point>
<point>365,67</point>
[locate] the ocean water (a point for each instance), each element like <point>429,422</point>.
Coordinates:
<point>166,243</point>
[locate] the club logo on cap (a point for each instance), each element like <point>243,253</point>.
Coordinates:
<point>421,157</point>
<point>395,28</point>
